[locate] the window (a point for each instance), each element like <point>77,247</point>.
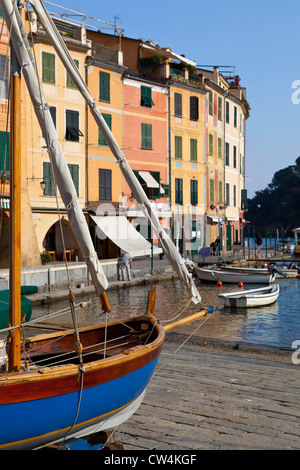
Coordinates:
<point>211,144</point>
<point>235,116</point>
<point>219,108</point>
<point>70,83</point>
<point>146,99</point>
<point>194,192</point>
<point>220,192</point>
<point>227,153</point>
<point>48,68</point>
<point>50,188</point>
<point>227,112</point>
<point>104,185</point>
<point>234,156</point>
<point>49,180</point>
<point>193,149</point>
<point>147,136</point>
<point>234,195</point>
<point>74,170</point>
<point>244,200</point>
<point>52,110</point>
<point>4,67</point>
<point>101,139</point>
<point>219,147</point>
<point>151,193</point>
<point>227,194</point>
<point>104,87</point>
<point>212,190</point>
<point>178,146</point>
<point>72,126</point>
<point>210,103</point>
<point>194,108</point>
<point>178,191</point>
<point>178,104</point>
<point>4,152</point>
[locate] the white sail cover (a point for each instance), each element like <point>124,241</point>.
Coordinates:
<point>59,166</point>
<point>168,247</point>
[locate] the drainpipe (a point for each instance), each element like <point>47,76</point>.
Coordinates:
<point>169,157</point>
<point>86,144</point>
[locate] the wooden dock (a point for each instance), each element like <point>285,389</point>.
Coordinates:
<point>205,397</point>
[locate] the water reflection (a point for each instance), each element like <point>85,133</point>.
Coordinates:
<point>275,325</point>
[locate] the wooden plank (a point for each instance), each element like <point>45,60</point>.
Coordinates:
<point>203,398</point>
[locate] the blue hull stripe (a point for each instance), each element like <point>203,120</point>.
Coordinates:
<point>28,420</point>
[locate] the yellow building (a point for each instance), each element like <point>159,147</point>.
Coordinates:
<point>187,158</point>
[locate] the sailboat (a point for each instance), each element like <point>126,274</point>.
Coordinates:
<point>67,385</point>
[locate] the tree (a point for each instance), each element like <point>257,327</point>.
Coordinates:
<point>278,205</point>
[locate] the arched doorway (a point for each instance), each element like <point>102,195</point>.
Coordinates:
<point>60,242</point>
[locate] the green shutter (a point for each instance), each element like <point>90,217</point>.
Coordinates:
<point>178,191</point>
<point>220,192</point>
<point>147,136</point>
<point>211,190</point>
<point>49,180</point>
<point>178,146</point>
<point>4,152</point>
<point>72,126</point>
<point>48,68</point>
<point>74,170</point>
<point>194,192</point>
<point>70,83</point>
<point>193,149</point>
<point>211,144</point>
<point>146,99</point>
<point>104,86</point>
<point>155,192</point>
<point>219,147</point>
<point>178,104</point>
<point>105,193</point>
<point>101,139</point>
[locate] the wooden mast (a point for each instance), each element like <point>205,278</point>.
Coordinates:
<point>14,350</point>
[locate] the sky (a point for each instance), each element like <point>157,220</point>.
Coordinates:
<point>261,39</point>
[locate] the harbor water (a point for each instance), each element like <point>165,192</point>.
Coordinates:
<point>273,326</point>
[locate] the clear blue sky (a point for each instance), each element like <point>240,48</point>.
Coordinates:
<point>260,38</point>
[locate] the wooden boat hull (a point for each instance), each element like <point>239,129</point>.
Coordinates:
<point>43,403</point>
<point>214,275</point>
<point>251,298</point>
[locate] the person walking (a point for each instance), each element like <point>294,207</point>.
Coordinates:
<point>125,263</point>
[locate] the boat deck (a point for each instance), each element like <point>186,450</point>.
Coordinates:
<point>218,398</point>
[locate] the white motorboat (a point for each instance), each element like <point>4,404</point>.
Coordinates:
<point>251,298</point>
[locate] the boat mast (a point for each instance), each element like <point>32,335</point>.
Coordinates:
<point>14,350</point>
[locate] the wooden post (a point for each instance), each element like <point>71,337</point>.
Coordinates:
<point>14,352</point>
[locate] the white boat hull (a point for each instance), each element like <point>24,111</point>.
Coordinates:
<point>214,275</point>
<point>251,298</point>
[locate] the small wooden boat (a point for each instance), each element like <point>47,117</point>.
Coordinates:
<point>251,298</point>
<point>232,276</point>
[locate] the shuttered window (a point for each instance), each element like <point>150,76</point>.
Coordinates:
<point>52,110</point>
<point>48,68</point>
<point>234,156</point>
<point>211,144</point>
<point>219,108</point>
<point>178,191</point>
<point>74,170</point>
<point>219,147</point>
<point>101,139</point>
<point>147,136</point>
<point>146,98</point>
<point>50,188</point>
<point>193,150</point>
<point>4,153</point>
<point>212,190</point>
<point>227,153</point>
<point>72,126</point>
<point>104,87</point>
<point>227,112</point>
<point>227,194</point>
<point>220,192</point>
<point>210,103</point>
<point>178,146</point>
<point>194,192</point>
<point>4,67</point>
<point>194,108</point>
<point>155,192</point>
<point>235,116</point>
<point>178,104</point>
<point>70,83</point>
<point>104,185</point>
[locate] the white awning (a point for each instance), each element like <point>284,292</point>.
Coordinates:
<point>149,180</point>
<point>123,234</point>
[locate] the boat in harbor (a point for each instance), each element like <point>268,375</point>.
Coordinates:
<point>68,384</point>
<point>296,252</point>
<point>234,276</point>
<point>251,297</point>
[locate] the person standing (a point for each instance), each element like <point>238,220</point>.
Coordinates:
<point>125,263</point>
